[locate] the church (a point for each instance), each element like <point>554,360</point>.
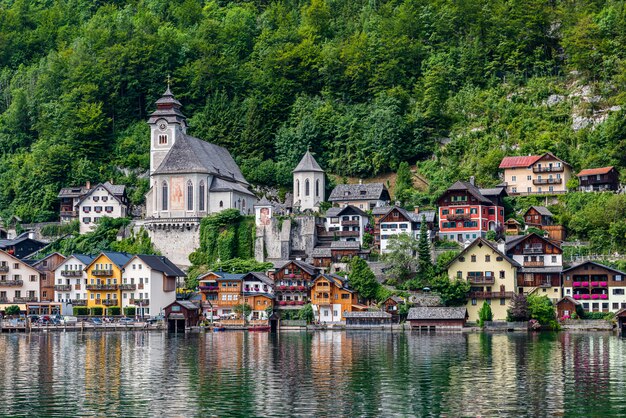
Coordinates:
<point>189,177</point>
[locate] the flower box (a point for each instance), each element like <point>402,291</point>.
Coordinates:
<point>291,276</point>
<point>604,284</point>
<point>300,302</point>
<point>576,284</point>
<point>292,288</point>
<point>576,297</point>
<point>301,288</point>
<point>595,296</point>
<point>292,302</point>
<point>282,287</point>
<point>282,302</point>
<point>585,296</point>
<point>594,284</point>
<point>584,284</point>
<point>604,296</point>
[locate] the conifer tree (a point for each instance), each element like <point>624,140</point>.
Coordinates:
<point>423,253</point>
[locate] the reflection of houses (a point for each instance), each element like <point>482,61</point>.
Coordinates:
<point>70,282</point>
<point>363,196</point>
<point>540,217</point>
<point>292,282</point>
<point>491,274</point>
<point>535,174</point>
<point>400,221</point>
<point>258,293</point>
<point>430,318</point>
<point>598,179</point>
<point>541,263</point>
<point>599,288</point>
<point>331,298</point>
<point>465,213</point>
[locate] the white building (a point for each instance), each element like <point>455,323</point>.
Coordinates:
<point>400,221</point>
<point>19,282</point>
<point>347,223</point>
<point>364,196</point>
<point>105,199</point>
<point>258,293</point>
<point>149,284</point>
<point>309,184</point>
<point>70,282</point>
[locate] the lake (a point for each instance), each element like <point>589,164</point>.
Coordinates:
<point>312,374</point>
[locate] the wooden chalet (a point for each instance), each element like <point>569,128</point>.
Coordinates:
<point>598,179</point>
<point>182,314</point>
<point>292,284</point>
<point>540,217</point>
<point>331,297</point>
<point>598,287</point>
<point>47,266</point>
<point>392,306</point>
<point>432,318</point>
<point>512,227</point>
<point>566,307</point>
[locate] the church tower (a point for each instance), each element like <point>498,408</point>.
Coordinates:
<point>309,184</point>
<point>167,124</point>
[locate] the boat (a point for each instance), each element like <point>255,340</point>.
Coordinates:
<point>260,328</point>
<point>218,329</point>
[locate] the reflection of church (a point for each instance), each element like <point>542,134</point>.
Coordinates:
<point>189,177</point>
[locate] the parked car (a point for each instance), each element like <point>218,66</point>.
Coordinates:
<point>33,318</point>
<point>155,319</point>
<point>126,320</point>
<point>69,320</point>
<point>96,321</point>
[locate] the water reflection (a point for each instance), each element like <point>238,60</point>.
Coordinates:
<point>312,374</point>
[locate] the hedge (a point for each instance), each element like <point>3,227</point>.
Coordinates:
<point>81,311</point>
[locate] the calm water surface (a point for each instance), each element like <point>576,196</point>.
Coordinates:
<point>312,374</point>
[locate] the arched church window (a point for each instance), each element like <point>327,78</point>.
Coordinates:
<point>189,195</point>
<point>306,187</point>
<point>243,204</point>
<point>221,204</point>
<point>201,196</point>
<point>317,188</point>
<point>164,196</point>
<point>298,188</point>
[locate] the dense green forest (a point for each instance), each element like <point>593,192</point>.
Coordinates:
<point>449,85</point>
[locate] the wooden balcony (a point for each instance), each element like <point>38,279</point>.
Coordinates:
<point>533,250</point>
<point>62,287</point>
<point>491,295</point>
<point>458,217</point>
<point>4,269</point>
<point>548,169</point>
<point>350,223</point>
<point>547,181</point>
<point>71,273</point>
<point>481,279</point>
<point>79,302</point>
<point>338,233</point>
<point>204,288</point>
<point>25,299</point>
<point>128,286</point>
<point>11,283</point>
<point>76,287</point>
<point>69,213</point>
<point>4,299</point>
<point>322,301</point>
<point>533,263</point>
<point>109,302</point>
<point>142,302</point>
<point>102,287</point>
<point>102,272</point>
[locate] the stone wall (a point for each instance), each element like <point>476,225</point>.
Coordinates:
<point>174,240</point>
<point>281,237</point>
<point>587,324</point>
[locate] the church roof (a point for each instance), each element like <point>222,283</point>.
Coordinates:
<point>168,108</point>
<point>193,155</point>
<point>368,191</point>
<point>221,185</point>
<point>308,163</point>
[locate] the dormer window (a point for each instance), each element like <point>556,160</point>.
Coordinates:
<point>162,139</point>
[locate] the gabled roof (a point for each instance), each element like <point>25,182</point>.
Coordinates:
<point>321,252</point>
<point>119,259</point>
<point>470,188</point>
<point>72,191</point>
<point>521,161</point>
<point>267,295</point>
<point>542,210</point>
<point>595,171</point>
<point>115,190</point>
<point>185,304</point>
<point>339,281</point>
<point>369,191</point>
<point>193,155</point>
<point>229,276</point>
<point>308,163</point>
<point>159,263</point>
<point>220,185</point>
<point>512,243</point>
<point>437,312</point>
<point>255,275</point>
<point>348,209</point>
<point>512,221</point>
<point>494,191</point>
<point>263,202</point>
<point>83,258</point>
<point>396,299</point>
<point>597,265</point>
<point>381,210</point>
<point>35,262</point>
<point>483,241</point>
<point>345,245</point>
<point>569,299</point>
<point>411,216</point>
<point>11,242</point>
<point>20,261</point>
<point>303,265</point>
<point>367,314</point>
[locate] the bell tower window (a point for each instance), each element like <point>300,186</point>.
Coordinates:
<point>306,187</point>
<point>162,139</point>
<point>189,195</point>
<point>201,196</point>
<point>164,196</point>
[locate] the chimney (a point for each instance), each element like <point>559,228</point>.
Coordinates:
<point>88,185</point>
<point>417,209</point>
<point>472,180</point>
<point>502,246</point>
<point>111,181</point>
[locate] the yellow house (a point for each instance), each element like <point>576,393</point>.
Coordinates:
<point>104,277</point>
<point>491,274</point>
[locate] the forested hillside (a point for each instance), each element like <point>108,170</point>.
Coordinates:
<point>450,85</point>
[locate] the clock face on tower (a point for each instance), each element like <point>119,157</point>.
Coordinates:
<point>162,126</point>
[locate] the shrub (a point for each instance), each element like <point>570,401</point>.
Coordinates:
<point>96,311</point>
<point>114,310</point>
<point>12,310</point>
<point>485,314</point>
<point>80,311</point>
<point>129,311</point>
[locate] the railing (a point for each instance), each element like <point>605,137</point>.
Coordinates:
<point>4,299</point>
<point>4,269</point>
<point>62,287</point>
<point>533,250</point>
<point>338,233</point>
<point>350,223</point>
<point>71,273</point>
<point>547,169</point>
<point>109,302</point>
<point>458,217</point>
<point>8,283</point>
<point>481,279</point>
<point>291,288</point>
<point>102,272</point>
<point>128,287</point>
<point>24,299</point>
<point>71,213</point>
<point>79,302</point>
<point>142,302</point>
<point>322,301</point>
<point>102,287</point>
<point>290,302</point>
<point>208,288</point>
<point>461,203</point>
<point>491,295</point>
<point>77,287</point>
<point>547,181</point>
<point>533,263</point>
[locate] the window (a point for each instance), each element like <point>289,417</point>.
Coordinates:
<point>298,188</point>
<point>618,291</point>
<point>459,274</point>
<point>617,277</point>
<point>502,301</point>
<point>616,306</point>
<point>86,209</point>
<point>164,197</point>
<point>487,258</point>
<point>473,211</point>
<point>86,220</point>
<point>98,209</point>
<point>528,178</point>
<point>33,278</point>
<point>473,258</point>
<point>306,187</point>
<point>473,302</point>
<point>445,211</point>
<point>108,209</point>
<point>189,195</point>
<point>317,188</point>
<point>201,193</point>
<point>162,139</point>
<point>513,178</point>
<point>221,204</point>
<point>554,258</point>
<point>502,274</point>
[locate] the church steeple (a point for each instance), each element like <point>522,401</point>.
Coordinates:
<point>309,183</point>
<point>167,124</point>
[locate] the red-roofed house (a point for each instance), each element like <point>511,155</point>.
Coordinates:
<point>598,179</point>
<point>535,174</point>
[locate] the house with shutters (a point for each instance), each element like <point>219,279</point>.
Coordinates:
<point>292,284</point>
<point>105,199</point>
<point>541,264</point>
<point>46,267</point>
<point>363,196</point>
<point>597,287</point>
<point>466,213</point>
<point>258,293</point>
<point>540,217</point>
<point>70,282</point>
<point>331,298</point>
<point>347,223</point>
<point>491,274</point>
<point>598,179</point>
<point>399,221</point>
<point>535,174</point>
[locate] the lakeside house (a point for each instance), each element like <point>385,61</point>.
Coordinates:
<point>441,317</point>
<point>292,284</point>
<point>258,293</point>
<point>599,288</point>
<point>20,285</point>
<point>331,298</point>
<point>70,282</point>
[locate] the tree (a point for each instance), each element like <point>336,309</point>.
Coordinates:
<point>452,292</point>
<point>12,310</point>
<point>423,253</point>
<point>443,260</point>
<point>362,279</point>
<point>400,256</point>
<point>404,184</point>
<point>306,313</point>
<point>491,235</point>
<point>403,311</point>
<point>541,309</point>
<point>485,314</point>
<point>518,311</point>
<point>243,310</point>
